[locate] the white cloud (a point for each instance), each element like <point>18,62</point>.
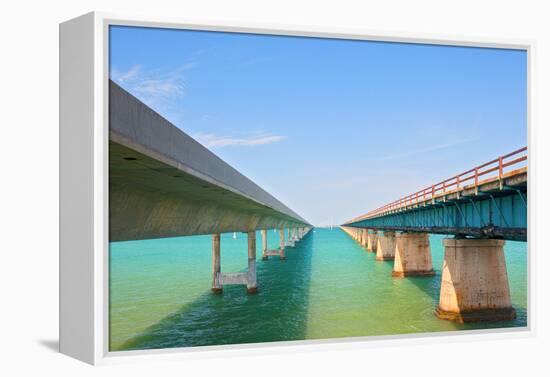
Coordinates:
<point>158,87</point>
<point>415,152</point>
<point>154,86</point>
<point>216,141</point>
<point>123,77</point>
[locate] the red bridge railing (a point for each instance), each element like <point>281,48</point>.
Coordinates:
<point>469,179</point>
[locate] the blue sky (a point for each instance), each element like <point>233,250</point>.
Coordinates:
<point>333,128</point>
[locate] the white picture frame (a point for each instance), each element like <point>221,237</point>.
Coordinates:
<point>84,48</point>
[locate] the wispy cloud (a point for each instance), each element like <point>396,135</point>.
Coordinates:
<point>210,140</point>
<point>414,152</point>
<point>123,77</point>
<point>153,86</point>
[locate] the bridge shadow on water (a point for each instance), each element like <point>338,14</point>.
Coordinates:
<point>430,285</point>
<point>278,312</point>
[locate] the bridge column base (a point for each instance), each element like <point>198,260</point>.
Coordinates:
<point>486,315</point>
<point>276,253</point>
<point>474,282</point>
<point>385,246</point>
<point>405,274</point>
<point>412,255</point>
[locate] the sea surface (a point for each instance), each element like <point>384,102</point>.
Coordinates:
<point>329,287</point>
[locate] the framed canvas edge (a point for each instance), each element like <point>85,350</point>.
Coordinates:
<point>101,246</point>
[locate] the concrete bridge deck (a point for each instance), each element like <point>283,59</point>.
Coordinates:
<point>163,183</point>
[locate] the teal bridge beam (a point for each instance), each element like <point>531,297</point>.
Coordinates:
<point>489,201</point>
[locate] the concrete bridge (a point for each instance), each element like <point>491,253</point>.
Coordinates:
<point>481,208</point>
<point>163,183</point>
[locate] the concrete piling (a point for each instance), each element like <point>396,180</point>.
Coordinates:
<point>264,244</point>
<point>251,285</point>
<point>291,239</point>
<point>282,244</point>
<point>385,246</point>
<point>364,237</point>
<point>216,265</point>
<point>474,282</point>
<point>280,252</point>
<point>412,255</point>
<point>247,278</point>
<point>372,240</point>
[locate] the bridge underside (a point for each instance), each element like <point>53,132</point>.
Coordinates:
<point>150,199</point>
<point>163,183</point>
<point>495,209</point>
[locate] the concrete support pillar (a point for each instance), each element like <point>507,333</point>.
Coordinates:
<point>216,265</point>
<point>372,239</point>
<point>412,255</point>
<point>282,244</point>
<point>474,282</point>
<point>264,244</point>
<point>385,246</point>
<point>363,241</point>
<point>247,278</point>
<point>251,285</point>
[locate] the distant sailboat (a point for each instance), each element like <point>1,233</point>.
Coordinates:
<point>234,235</point>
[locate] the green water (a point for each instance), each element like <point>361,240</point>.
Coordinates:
<point>328,287</point>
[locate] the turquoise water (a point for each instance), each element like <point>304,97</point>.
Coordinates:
<point>328,287</point>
